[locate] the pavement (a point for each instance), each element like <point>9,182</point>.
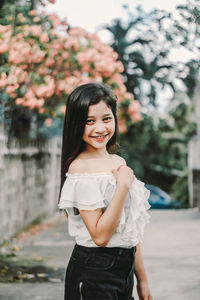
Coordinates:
<point>32,265</point>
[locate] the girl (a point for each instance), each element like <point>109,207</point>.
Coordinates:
<point>105,203</point>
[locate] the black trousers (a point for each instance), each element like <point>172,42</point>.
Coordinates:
<point>100,273</point>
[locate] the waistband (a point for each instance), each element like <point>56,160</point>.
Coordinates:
<point>117,250</point>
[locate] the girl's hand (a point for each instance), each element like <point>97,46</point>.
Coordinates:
<point>143,291</point>
<point>124,175</point>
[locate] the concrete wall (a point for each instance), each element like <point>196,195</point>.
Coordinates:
<point>194,171</point>
<point>29,182</point>
<point>194,152</point>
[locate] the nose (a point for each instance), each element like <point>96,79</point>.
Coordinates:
<point>100,128</point>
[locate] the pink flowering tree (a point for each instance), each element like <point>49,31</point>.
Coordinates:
<point>42,58</point>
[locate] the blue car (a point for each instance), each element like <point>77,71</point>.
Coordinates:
<point>159,199</point>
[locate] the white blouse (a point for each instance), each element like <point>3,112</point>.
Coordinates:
<point>90,191</point>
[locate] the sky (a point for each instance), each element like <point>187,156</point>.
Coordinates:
<point>93,14</point>
<point>90,14</point>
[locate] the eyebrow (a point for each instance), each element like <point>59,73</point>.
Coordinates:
<point>103,115</point>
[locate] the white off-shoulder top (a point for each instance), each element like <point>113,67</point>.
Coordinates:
<point>90,191</point>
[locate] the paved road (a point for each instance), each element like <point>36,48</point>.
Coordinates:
<point>171,251</point>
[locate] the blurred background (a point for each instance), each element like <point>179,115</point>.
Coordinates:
<point>147,51</point>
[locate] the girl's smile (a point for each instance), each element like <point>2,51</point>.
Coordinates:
<point>100,126</point>
<point>99,138</point>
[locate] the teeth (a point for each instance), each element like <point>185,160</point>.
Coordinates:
<point>102,136</point>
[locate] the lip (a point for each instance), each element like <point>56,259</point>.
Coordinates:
<point>99,138</point>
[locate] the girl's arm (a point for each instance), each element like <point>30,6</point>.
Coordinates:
<point>140,273</point>
<point>101,226</point>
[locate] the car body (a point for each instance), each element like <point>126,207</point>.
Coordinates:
<point>159,199</point>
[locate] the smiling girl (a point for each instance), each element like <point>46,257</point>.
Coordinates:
<point>105,203</point>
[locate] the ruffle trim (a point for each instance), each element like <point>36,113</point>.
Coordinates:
<point>69,204</point>
<point>82,194</point>
<point>132,229</point>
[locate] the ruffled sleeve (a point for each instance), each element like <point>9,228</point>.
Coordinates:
<point>82,192</point>
<point>138,217</point>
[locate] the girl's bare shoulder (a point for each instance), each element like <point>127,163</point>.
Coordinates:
<point>77,166</point>
<point>120,159</point>
<point>87,165</point>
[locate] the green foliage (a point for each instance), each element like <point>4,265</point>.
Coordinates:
<point>156,148</point>
<point>138,44</point>
<point>10,9</point>
<point>145,42</point>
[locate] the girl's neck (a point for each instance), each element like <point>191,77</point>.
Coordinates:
<point>94,154</point>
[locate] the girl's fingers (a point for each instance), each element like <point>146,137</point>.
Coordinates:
<point>119,167</point>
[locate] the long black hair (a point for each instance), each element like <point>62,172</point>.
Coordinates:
<point>76,114</point>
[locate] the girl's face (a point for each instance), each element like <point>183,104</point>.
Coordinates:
<point>100,126</point>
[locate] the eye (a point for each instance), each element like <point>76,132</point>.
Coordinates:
<point>107,119</point>
<point>89,121</point>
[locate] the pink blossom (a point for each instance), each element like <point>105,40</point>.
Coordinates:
<point>105,67</point>
<point>116,78</point>
<point>134,108</point>
<point>42,70</point>
<point>4,28</point>
<point>73,81</point>
<point>77,73</point>
<point>29,94</point>
<point>56,23</point>
<point>4,48</point>
<point>122,125</point>
<point>22,77</point>
<point>72,42</point>
<point>9,18</point>
<point>37,55</point>
<point>36,19</point>
<point>46,90</point>
<point>36,30</point>
<point>44,37</point>
<point>61,84</point>
<point>40,102</point>
<point>49,62</point>
<point>55,72</point>
<point>3,80</point>
<point>31,103</point>
<point>48,122</point>
<point>14,58</point>
<point>86,79</point>
<point>86,68</point>
<point>77,31</point>
<point>63,109</point>
<point>32,12</point>
<point>119,66</point>
<point>65,55</point>
<point>93,55</point>
<point>79,56</point>
<point>41,110</point>
<point>114,55</point>
<point>137,117</point>
<point>24,67</point>
<point>52,17</point>
<point>11,88</point>
<point>128,96</point>
<point>13,95</point>
<point>19,101</point>
<point>21,18</point>
<point>56,45</point>
<point>82,58</point>
<point>42,90</point>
